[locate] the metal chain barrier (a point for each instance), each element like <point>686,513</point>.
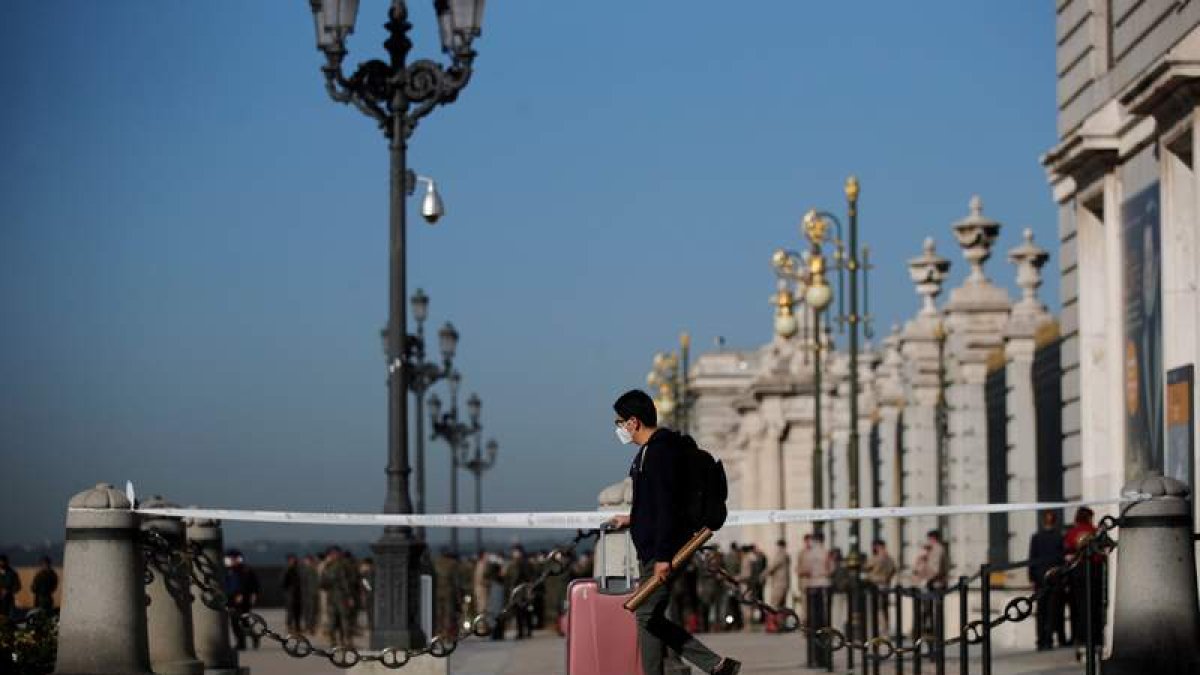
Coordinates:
<point>171,561</point>
<point>881,647</point>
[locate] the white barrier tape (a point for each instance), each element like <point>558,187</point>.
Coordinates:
<point>583,520</point>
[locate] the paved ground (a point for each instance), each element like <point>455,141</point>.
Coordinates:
<point>544,655</point>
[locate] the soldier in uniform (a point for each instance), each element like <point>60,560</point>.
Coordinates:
<point>310,593</point>
<point>339,580</point>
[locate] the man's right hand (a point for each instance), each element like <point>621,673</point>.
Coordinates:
<point>618,523</point>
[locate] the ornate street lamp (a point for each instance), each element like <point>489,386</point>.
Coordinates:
<point>851,260</point>
<point>669,376</point>
<point>422,375</point>
<point>396,94</point>
<point>807,272</point>
<point>484,459</point>
<point>457,435</point>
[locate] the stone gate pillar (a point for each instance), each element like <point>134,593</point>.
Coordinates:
<point>921,372</point>
<point>102,626</point>
<point>976,315</point>
<point>1020,346</point>
<point>890,393</point>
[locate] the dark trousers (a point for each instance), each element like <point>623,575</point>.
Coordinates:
<point>817,611</point>
<point>657,633</point>
<point>1050,617</point>
<point>293,610</point>
<point>1079,610</point>
<point>524,622</point>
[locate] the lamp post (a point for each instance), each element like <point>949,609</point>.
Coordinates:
<point>807,271</point>
<point>396,94</point>
<point>669,375</point>
<point>477,465</point>
<point>424,374</point>
<point>846,259</point>
<point>456,434</point>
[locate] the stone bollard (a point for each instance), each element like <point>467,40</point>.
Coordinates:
<point>169,614</point>
<point>210,625</point>
<point>102,626</point>
<point>1156,624</point>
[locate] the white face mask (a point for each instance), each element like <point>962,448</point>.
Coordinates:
<point>624,436</point>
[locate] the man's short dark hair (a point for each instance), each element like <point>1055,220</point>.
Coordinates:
<point>878,542</point>
<point>781,543</point>
<point>637,403</point>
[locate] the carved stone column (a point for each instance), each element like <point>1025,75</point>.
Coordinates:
<point>1020,346</point>
<point>920,370</point>
<point>976,316</point>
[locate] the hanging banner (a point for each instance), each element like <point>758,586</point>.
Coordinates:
<point>1142,299</point>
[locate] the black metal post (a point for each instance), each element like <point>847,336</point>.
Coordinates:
<point>818,443</point>
<point>899,639</point>
<point>1090,657</point>
<point>941,415</point>
<point>939,632</point>
<point>985,610</point>
<point>964,650</point>
<point>396,95</point>
<point>918,629</point>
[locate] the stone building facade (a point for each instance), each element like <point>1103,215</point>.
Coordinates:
<point>1124,177</point>
<point>928,411</point>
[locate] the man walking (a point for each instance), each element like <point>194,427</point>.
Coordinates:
<point>45,583</point>
<point>292,595</point>
<point>1046,551</point>
<point>10,585</point>
<point>658,532</point>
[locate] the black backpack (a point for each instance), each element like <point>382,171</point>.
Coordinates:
<point>707,487</point>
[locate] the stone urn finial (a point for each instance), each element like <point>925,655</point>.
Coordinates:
<point>928,270</point>
<point>1029,259</point>
<point>976,234</point>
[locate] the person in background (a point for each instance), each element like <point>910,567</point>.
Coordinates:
<point>241,588</point>
<point>339,580</point>
<point>45,582</point>
<point>310,594</point>
<point>1074,544</point>
<point>939,563</point>
<point>496,595</point>
<point>813,568</point>
<point>556,595</point>
<point>748,579</point>
<point>479,583</point>
<point>517,572</point>
<point>839,584</point>
<point>779,574</point>
<point>1045,552</point>
<point>293,597</point>
<point>708,594</point>
<point>801,596</point>
<point>881,570</point>
<point>10,585</point>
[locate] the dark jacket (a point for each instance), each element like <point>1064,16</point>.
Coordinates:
<point>1045,551</point>
<point>658,473</point>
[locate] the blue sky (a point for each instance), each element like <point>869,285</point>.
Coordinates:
<point>193,237</point>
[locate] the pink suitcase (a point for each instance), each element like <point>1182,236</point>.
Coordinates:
<point>601,634</point>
